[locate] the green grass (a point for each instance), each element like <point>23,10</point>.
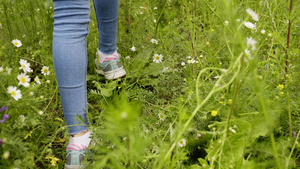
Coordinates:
<point>234,110</point>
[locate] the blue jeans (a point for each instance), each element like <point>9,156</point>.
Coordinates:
<point>71,21</point>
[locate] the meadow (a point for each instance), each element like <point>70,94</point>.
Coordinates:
<point>211,84</point>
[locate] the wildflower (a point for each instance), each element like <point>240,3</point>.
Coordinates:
<point>221,102</point>
<point>229,101</point>
<point>1,69</point>
<point>263,31</point>
<point>155,8</point>
<point>166,69</point>
<point>269,34</point>
<point>53,159</point>
<point>250,25</point>
<point>280,87</point>
<point>161,116</point>
<point>201,56</point>
<point>15,93</point>
<point>247,52</point>
<point>127,57</point>
<point>198,136</point>
<point>189,57</point>
<point>226,22</point>
<point>41,112</point>
<point>48,81</point>
<point>4,108</point>
<point>214,113</point>
<point>231,129</point>
<point>294,134</point>
<point>207,43</point>
<point>251,43</point>
<point>23,79</point>
<point>31,93</point>
<point>157,58</point>
<point>191,61</point>
<point>1,141</point>
<point>253,15</point>
<point>182,143</point>
<point>45,70</point>
<point>8,70</point>
<point>22,118</point>
<point>238,20</point>
<point>5,116</point>
<point>16,42</point>
<point>154,41</point>
<point>25,66</point>
<point>6,155</point>
<point>182,63</point>
<point>37,80</point>
<point>133,49</point>
<point>217,77</point>
<point>154,21</point>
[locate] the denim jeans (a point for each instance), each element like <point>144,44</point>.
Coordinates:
<point>71,21</point>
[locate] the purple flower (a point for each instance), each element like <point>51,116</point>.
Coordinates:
<point>1,141</point>
<point>4,108</point>
<point>294,134</point>
<point>5,116</point>
<point>198,136</point>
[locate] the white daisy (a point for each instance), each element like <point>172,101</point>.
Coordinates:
<point>8,70</point>
<point>23,79</point>
<point>201,56</point>
<point>45,70</point>
<point>15,93</point>
<point>269,34</point>
<point>154,41</point>
<point>154,21</point>
<point>191,61</point>
<point>16,42</point>
<point>182,143</point>
<point>262,31</point>
<point>41,112</point>
<point>157,58</point>
<point>182,63</point>
<point>25,66</point>
<point>161,116</point>
<point>253,15</point>
<point>155,8</point>
<point>247,52</point>
<point>250,25</point>
<point>37,80</point>
<point>133,49</point>
<point>251,43</point>
<point>226,22</point>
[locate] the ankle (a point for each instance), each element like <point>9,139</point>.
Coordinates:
<point>79,134</point>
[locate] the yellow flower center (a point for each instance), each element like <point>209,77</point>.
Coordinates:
<point>45,70</point>
<point>157,57</point>
<point>13,93</point>
<point>23,80</point>
<point>16,43</point>
<point>24,66</point>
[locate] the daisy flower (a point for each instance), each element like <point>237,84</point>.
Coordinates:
<point>41,112</point>
<point>37,80</point>
<point>253,15</point>
<point>247,52</point>
<point>23,79</point>
<point>250,25</point>
<point>191,61</point>
<point>226,22</point>
<point>16,42</point>
<point>133,49</point>
<point>238,20</point>
<point>182,63</point>
<point>15,93</point>
<point>161,116</point>
<point>262,31</point>
<point>157,58</point>
<point>25,66</point>
<point>45,70</point>
<point>251,43</point>
<point>154,41</point>
<point>182,143</point>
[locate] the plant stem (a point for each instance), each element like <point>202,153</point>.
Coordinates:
<point>288,39</point>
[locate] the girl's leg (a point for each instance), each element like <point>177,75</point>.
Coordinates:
<point>71,20</point>
<point>107,18</point>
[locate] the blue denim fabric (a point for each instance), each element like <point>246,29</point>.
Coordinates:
<point>71,21</point>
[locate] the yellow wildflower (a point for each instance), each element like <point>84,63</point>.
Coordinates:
<point>214,113</point>
<point>280,87</point>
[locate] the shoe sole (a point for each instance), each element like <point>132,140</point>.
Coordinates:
<point>113,74</point>
<point>72,166</point>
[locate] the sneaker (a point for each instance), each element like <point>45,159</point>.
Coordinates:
<point>74,158</point>
<point>111,68</point>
